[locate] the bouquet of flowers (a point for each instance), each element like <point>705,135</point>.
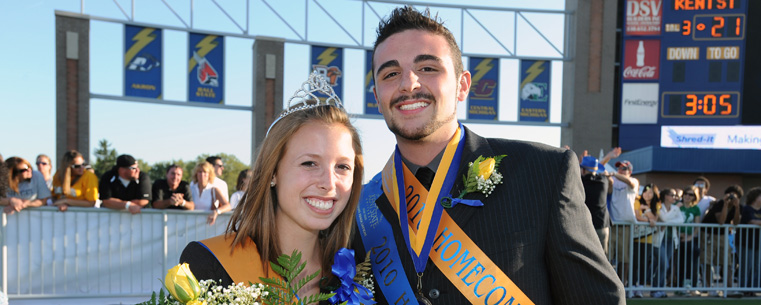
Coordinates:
<point>184,288</point>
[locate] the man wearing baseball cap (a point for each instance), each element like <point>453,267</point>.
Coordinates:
<point>124,187</point>
<point>623,193</point>
<point>596,183</point>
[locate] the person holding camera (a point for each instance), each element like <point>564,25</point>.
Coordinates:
<point>723,211</point>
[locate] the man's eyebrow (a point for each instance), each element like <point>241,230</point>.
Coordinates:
<point>424,57</point>
<point>388,64</point>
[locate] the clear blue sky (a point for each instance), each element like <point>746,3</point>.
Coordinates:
<point>162,133</point>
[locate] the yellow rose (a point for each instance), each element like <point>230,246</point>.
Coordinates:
<point>196,302</point>
<point>182,284</point>
<point>486,167</point>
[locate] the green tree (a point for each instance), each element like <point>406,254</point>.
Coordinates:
<point>105,158</point>
<point>144,167</point>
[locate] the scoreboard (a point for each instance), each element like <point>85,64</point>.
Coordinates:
<point>683,64</point>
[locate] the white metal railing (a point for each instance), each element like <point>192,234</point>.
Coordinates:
<point>716,260</point>
<point>95,252</point>
<point>88,252</point>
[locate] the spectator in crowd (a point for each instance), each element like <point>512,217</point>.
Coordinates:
<point>704,185</point>
<point>45,167</point>
<point>596,185</point>
<point>3,182</point>
<point>646,209</point>
<point>687,255</point>
<point>172,192</point>
<point>207,196</point>
<point>240,188</point>
<point>750,241</point>
<point>666,238</point>
<point>219,167</point>
<point>623,193</point>
<point>26,187</point>
<point>125,187</point>
<point>723,211</point>
<point>72,184</point>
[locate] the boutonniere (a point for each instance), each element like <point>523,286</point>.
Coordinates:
<point>482,177</point>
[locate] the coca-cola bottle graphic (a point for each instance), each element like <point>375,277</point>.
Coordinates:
<point>641,54</point>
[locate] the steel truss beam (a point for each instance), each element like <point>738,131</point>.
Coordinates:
<point>369,9</point>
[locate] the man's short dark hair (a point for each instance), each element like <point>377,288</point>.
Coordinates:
<point>213,159</point>
<point>168,169</point>
<point>408,18</point>
<point>704,179</point>
<point>734,189</point>
<point>752,195</point>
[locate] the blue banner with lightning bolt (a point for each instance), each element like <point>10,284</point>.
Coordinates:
<point>142,61</point>
<point>534,91</point>
<point>329,62</point>
<point>371,105</point>
<point>483,99</point>
<point>206,66</point>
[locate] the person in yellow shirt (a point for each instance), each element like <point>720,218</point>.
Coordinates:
<point>72,184</point>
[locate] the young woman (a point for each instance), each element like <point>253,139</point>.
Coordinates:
<point>302,195</point>
<point>666,238</point>
<point>687,252</point>
<point>72,184</point>
<point>240,188</point>
<point>206,196</point>
<point>26,187</point>
<point>645,210</point>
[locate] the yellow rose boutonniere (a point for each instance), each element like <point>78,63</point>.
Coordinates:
<point>482,177</point>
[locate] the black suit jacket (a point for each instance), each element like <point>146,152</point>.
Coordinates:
<point>534,226</point>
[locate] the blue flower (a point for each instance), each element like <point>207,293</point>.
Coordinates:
<point>349,291</point>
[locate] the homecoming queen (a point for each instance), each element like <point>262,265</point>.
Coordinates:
<point>302,195</point>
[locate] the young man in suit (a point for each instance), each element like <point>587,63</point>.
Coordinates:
<point>514,231</point>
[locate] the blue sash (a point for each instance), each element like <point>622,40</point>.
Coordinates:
<point>378,238</point>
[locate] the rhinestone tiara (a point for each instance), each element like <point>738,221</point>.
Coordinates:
<point>314,92</point>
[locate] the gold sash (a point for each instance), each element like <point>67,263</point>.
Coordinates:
<point>243,264</point>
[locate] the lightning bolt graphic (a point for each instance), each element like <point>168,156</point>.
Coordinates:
<point>327,56</point>
<point>483,67</point>
<point>534,71</point>
<point>141,39</point>
<point>368,78</point>
<point>204,47</point>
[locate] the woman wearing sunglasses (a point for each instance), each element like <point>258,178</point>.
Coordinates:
<point>687,252</point>
<point>72,184</point>
<point>26,188</point>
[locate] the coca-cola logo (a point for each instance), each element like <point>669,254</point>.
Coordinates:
<point>644,72</point>
<point>641,59</point>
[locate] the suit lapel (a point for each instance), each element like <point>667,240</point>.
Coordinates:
<point>475,146</point>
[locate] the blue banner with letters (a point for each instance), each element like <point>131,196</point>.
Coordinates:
<point>206,66</point>
<point>483,99</point>
<point>142,61</point>
<point>534,91</point>
<point>371,105</point>
<point>329,62</point>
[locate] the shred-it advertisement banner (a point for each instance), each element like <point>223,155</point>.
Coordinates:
<point>715,137</point>
<point>642,59</point>
<point>534,91</point>
<point>206,68</point>
<point>643,17</point>
<point>142,62</point>
<point>483,99</point>
<point>371,105</point>
<point>329,62</point>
